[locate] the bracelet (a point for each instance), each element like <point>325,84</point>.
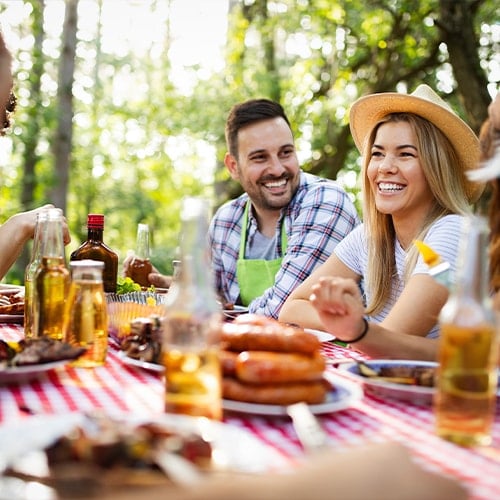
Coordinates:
<point>360,336</point>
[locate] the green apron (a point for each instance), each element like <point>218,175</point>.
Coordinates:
<point>255,276</point>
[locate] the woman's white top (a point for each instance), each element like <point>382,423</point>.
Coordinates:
<point>443,237</point>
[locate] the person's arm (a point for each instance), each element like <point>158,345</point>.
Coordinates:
<point>326,215</point>
<point>298,309</point>
<point>340,308</point>
<point>15,232</point>
<point>382,470</point>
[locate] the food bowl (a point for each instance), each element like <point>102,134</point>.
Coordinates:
<point>123,308</point>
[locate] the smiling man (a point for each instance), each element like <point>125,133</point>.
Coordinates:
<point>268,240</point>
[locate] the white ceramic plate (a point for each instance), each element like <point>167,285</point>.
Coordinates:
<point>153,367</point>
<point>233,447</point>
<point>322,336</point>
<point>343,394</point>
<point>26,372</point>
<point>235,311</point>
<point>412,393</point>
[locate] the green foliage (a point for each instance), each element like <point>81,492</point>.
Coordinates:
<point>140,143</point>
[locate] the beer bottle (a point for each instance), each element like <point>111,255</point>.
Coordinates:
<point>141,266</point>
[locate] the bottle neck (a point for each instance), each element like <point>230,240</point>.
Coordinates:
<point>142,246</point>
<point>95,233</point>
<point>472,266</point>
<point>52,239</point>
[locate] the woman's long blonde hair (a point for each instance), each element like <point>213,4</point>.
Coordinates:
<point>439,163</point>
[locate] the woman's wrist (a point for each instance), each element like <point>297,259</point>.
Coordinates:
<point>364,331</point>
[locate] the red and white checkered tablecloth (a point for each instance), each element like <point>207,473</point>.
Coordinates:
<point>117,387</point>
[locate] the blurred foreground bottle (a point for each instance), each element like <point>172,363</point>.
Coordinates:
<point>94,248</point>
<point>191,328</point>
<point>141,266</point>
<point>29,273</point>
<point>467,374</point>
<point>51,282</point>
<point>85,314</point>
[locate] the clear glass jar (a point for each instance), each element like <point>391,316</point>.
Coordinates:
<point>85,315</point>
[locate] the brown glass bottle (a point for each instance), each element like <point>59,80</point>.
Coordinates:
<point>95,249</point>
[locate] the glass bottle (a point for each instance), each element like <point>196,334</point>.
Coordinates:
<point>467,375</point>
<point>51,280</point>
<point>140,265</point>
<point>30,271</point>
<point>94,248</point>
<point>191,327</point>
<point>85,315</point>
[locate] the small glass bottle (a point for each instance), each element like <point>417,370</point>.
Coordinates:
<point>191,327</point>
<point>30,271</point>
<point>94,248</point>
<point>140,265</point>
<point>466,379</point>
<point>51,280</point>
<point>85,315</point>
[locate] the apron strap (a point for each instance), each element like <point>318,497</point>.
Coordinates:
<point>243,238</point>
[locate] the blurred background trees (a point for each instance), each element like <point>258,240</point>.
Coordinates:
<point>108,130</point>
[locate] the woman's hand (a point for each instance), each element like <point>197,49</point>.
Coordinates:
<point>339,305</point>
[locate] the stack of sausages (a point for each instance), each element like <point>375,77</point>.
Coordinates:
<point>266,362</point>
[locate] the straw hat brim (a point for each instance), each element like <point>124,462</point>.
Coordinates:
<point>367,111</point>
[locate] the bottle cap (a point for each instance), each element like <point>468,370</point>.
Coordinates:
<point>95,221</point>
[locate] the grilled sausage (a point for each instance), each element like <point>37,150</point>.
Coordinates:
<point>276,394</point>
<point>266,367</point>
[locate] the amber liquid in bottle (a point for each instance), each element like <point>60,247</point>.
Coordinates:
<point>94,248</point>
<point>191,326</point>
<point>140,266</point>
<point>465,397</point>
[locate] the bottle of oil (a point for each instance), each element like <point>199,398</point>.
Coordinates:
<point>94,248</point>
<point>30,271</point>
<point>467,375</point>
<point>192,323</point>
<point>141,266</point>
<point>51,282</point>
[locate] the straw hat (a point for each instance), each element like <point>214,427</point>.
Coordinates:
<point>367,111</point>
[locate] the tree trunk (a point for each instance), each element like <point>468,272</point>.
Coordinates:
<point>63,138</point>
<point>457,29</point>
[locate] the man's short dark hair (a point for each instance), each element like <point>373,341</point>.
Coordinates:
<point>249,112</point>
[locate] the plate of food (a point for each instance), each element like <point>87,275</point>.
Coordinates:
<point>103,451</point>
<point>322,336</point>
<point>412,381</point>
<point>11,303</point>
<point>26,359</point>
<point>231,311</point>
<point>139,363</point>
<point>342,394</point>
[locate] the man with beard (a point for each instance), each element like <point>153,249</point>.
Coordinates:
<point>268,240</point>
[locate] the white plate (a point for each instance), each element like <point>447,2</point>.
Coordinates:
<point>26,372</point>
<point>235,311</point>
<point>343,394</point>
<point>6,289</point>
<point>233,447</point>
<point>322,336</point>
<point>153,367</point>
<point>411,393</point>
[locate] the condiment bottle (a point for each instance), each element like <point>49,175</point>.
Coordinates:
<point>51,280</point>
<point>140,265</point>
<point>30,271</point>
<point>467,376</point>
<point>85,315</point>
<point>191,327</point>
<point>94,248</point>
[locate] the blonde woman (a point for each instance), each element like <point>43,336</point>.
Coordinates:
<point>374,291</point>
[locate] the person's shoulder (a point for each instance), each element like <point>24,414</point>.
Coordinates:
<point>232,207</point>
<point>450,222</point>
<point>313,186</point>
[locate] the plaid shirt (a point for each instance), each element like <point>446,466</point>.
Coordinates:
<point>316,219</point>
